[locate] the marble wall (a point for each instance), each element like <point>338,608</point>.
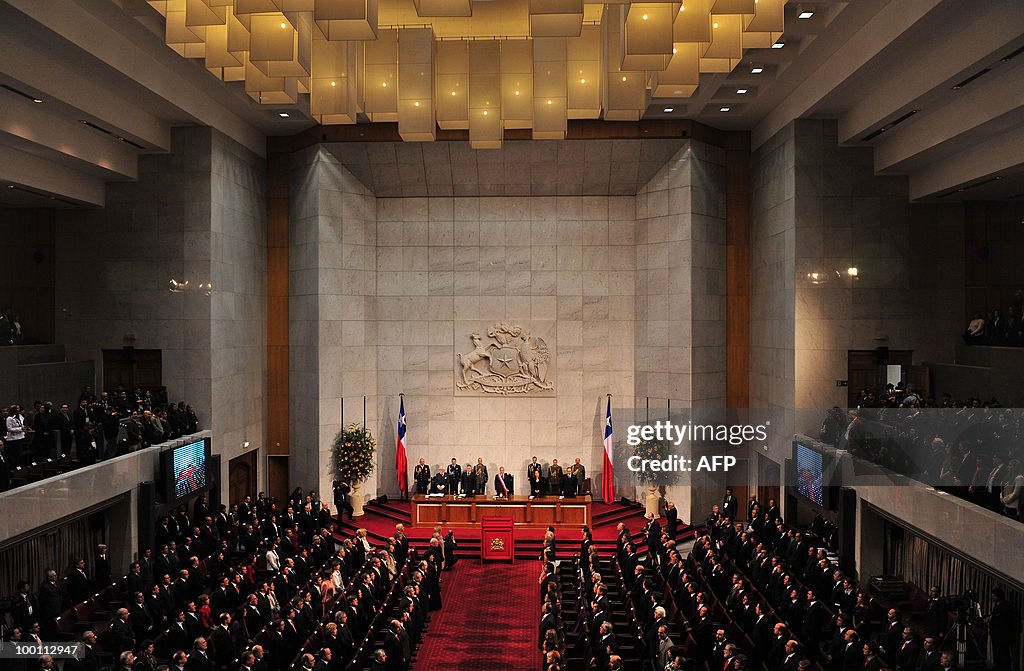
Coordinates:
<point>680,291</point>
<point>238,304</point>
<point>196,214</point>
<point>113,267</point>
<point>909,260</point>
<point>773,272</point>
<point>332,284</point>
<point>562,267</point>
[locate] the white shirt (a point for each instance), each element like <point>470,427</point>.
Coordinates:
<point>273,561</point>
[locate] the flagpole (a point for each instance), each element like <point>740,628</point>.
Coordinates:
<point>405,494</point>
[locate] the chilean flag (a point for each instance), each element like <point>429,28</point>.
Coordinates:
<point>607,475</point>
<point>401,460</point>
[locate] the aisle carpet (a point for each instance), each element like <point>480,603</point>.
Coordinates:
<point>488,620</point>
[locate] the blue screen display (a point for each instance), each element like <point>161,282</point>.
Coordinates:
<point>809,473</point>
<point>189,468</point>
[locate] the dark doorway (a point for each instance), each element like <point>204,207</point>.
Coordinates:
<point>242,476</point>
<point>129,368</point>
<point>874,368</point>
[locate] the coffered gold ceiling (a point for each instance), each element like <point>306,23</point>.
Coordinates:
<point>483,65</point>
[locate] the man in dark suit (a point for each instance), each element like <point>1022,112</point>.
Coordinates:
<point>468,481</point>
<point>906,655</point>
<point>814,620</point>
<point>729,504</point>
<point>178,635</point>
<point>120,636</point>
<point>453,474</point>
<point>401,545</point>
<point>223,642</point>
<point>26,606</point>
<point>575,479</point>
<point>80,587</point>
<point>50,604</point>
<point>547,622</point>
<point>503,483</point>
<point>672,517</point>
<point>393,647</point>
<point>653,531</point>
<point>140,617</point>
<point>199,658</point>
<point>928,658</point>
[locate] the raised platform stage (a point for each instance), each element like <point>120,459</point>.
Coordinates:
<point>541,512</point>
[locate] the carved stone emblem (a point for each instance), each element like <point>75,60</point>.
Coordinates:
<point>511,361</point>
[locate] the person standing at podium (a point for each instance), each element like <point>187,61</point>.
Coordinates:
<point>554,478</point>
<point>421,475</point>
<point>468,481</point>
<point>534,472</point>
<point>503,485</point>
<point>480,470</point>
<point>454,475</point>
<point>576,477</point>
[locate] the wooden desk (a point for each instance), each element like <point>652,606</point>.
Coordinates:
<point>541,512</point>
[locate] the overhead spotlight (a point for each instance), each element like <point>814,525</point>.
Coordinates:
<point>741,91</point>
<point>805,14</point>
<point>669,109</point>
<point>245,444</point>
<point>37,100</point>
<point>778,45</point>
<point>283,115</point>
<point>816,278</point>
<point>853,272</point>
<point>757,69</point>
<point>177,287</point>
<point>724,109</point>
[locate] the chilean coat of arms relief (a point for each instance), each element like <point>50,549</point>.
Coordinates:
<point>509,361</point>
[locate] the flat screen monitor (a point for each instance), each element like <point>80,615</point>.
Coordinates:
<point>187,469</point>
<point>810,474</point>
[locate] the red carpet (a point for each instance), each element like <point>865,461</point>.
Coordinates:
<point>488,619</point>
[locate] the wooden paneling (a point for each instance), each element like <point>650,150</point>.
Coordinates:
<point>737,273</point>
<point>539,513</point>
<point>277,314</point>
<point>130,368</point>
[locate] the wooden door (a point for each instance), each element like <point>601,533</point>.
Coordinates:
<point>866,368</point>
<point>129,368</point>
<point>739,479</point>
<point>242,476</point>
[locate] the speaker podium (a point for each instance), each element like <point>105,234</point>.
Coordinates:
<point>497,538</point>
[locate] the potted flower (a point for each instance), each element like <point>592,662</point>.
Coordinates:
<point>648,451</point>
<point>354,447</point>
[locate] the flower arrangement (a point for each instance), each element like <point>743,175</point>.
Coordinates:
<point>353,453</point>
<point>654,450</point>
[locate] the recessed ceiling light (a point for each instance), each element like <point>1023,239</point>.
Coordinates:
<point>741,91</point>
<point>669,109</point>
<point>677,92</point>
<point>778,45</point>
<point>757,69</point>
<point>805,14</point>
<point>283,115</point>
<point>724,109</point>
<point>37,100</point>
